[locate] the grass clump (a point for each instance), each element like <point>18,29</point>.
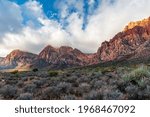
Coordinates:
<point>137,74</point>
<point>53,73</point>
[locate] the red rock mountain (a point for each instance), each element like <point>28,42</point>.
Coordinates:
<point>133,42</point>
<point>49,57</point>
<point>65,57</point>
<point>17,59</point>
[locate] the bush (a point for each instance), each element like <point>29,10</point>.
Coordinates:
<point>64,87</point>
<point>30,88</point>
<point>84,87</point>
<point>69,97</point>
<point>97,84</point>
<point>25,96</point>
<point>93,95</point>
<point>8,91</point>
<point>35,70</point>
<point>50,93</point>
<point>112,95</point>
<point>20,84</point>
<point>52,73</point>
<point>137,74</point>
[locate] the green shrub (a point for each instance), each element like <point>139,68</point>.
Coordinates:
<point>137,74</point>
<point>52,73</point>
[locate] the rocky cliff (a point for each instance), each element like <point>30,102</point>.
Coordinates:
<point>133,42</point>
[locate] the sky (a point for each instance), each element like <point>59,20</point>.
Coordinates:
<point>30,25</point>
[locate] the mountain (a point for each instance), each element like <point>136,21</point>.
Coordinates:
<point>17,59</point>
<point>1,58</point>
<point>51,57</point>
<point>65,57</point>
<point>133,42</point>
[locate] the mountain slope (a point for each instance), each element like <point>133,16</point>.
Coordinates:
<point>131,43</point>
<point>17,59</point>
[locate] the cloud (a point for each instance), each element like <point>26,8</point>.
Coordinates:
<point>66,7</point>
<point>26,26</point>
<point>10,17</point>
<point>109,19</point>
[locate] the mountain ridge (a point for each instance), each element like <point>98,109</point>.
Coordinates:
<point>125,43</point>
<point>132,43</point>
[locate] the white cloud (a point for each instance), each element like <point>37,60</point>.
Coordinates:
<point>65,6</point>
<point>39,31</point>
<point>32,11</point>
<point>10,17</point>
<point>91,2</point>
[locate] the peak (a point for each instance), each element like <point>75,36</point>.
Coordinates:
<point>142,23</point>
<point>49,46</point>
<point>17,51</point>
<point>67,47</point>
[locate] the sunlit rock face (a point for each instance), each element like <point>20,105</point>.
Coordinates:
<point>126,43</point>
<point>17,59</point>
<point>66,56</point>
<point>143,23</point>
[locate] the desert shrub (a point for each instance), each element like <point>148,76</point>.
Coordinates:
<point>93,95</point>
<point>8,91</point>
<point>112,95</point>
<point>25,96</point>
<point>95,74</point>
<point>77,92</point>
<point>39,82</point>
<point>84,87</point>
<point>96,84</point>
<point>14,72</point>
<point>35,70</point>
<point>55,79</point>
<point>52,73</point>
<point>68,97</point>
<point>71,79</point>
<point>56,92</point>
<point>24,79</point>
<point>30,88</point>
<point>137,74</point>
<point>50,93</point>
<point>132,92</point>
<point>20,84</point>
<point>64,87</point>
